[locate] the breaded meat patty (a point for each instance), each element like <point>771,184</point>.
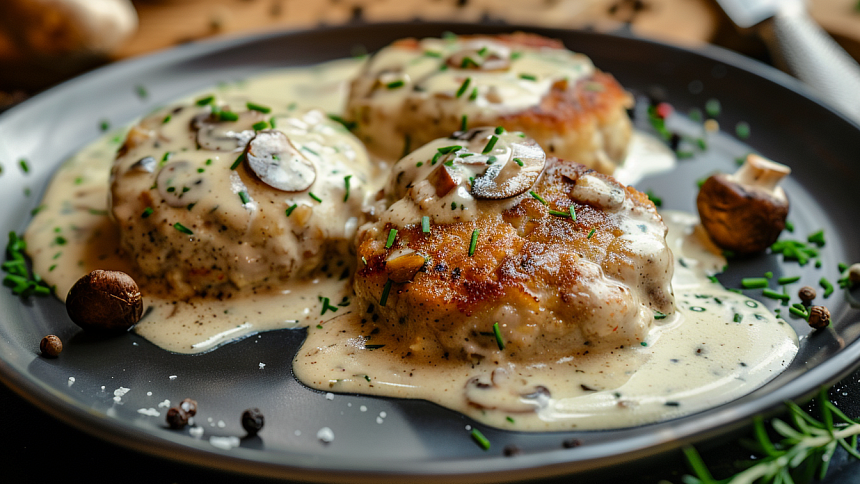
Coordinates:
<point>484,229</point>
<point>414,91</point>
<point>212,199</point>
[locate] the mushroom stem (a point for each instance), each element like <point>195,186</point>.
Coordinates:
<point>759,172</point>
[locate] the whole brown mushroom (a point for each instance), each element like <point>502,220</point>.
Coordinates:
<point>745,212</point>
<point>105,302</point>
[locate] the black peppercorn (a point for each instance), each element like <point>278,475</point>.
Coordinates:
<point>571,443</point>
<point>512,450</point>
<point>819,317</point>
<point>177,418</point>
<point>252,420</point>
<point>51,346</point>
<point>806,294</point>
<point>189,406</point>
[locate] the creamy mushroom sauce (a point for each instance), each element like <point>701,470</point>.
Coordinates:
<point>696,359</point>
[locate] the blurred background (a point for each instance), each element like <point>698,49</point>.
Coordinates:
<point>44,42</point>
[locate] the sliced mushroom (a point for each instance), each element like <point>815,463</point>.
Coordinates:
<point>746,211</point>
<point>218,135</point>
<point>506,179</point>
<point>277,163</point>
<point>598,192</point>
<point>491,392</point>
<point>403,265</point>
<point>179,184</point>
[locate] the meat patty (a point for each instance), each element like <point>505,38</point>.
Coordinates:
<point>445,262</point>
<point>214,201</point>
<point>415,91</point>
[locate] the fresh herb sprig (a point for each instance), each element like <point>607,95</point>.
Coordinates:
<point>804,452</point>
<point>18,276</point>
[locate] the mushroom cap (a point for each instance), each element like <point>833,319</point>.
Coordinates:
<point>105,302</point>
<point>740,218</point>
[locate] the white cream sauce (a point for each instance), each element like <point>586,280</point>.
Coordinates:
<point>688,362</point>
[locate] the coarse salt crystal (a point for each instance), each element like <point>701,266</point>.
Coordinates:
<point>71,380</point>
<point>172,377</point>
<point>225,443</point>
<point>326,435</point>
<point>164,404</point>
<point>150,412</point>
<point>262,365</point>
<point>329,396</point>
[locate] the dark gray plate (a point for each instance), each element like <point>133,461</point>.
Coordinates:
<point>415,439</point>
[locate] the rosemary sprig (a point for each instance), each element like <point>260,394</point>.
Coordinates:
<point>803,453</point>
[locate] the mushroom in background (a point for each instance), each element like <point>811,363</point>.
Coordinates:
<point>68,29</point>
<point>746,211</point>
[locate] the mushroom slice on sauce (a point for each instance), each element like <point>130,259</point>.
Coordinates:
<point>277,163</point>
<point>179,184</point>
<point>745,211</point>
<point>508,179</point>
<point>217,135</point>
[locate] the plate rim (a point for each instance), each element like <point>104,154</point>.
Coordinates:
<point>552,463</point>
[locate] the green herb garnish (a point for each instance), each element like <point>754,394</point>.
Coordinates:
<point>816,238</point>
<point>185,230</point>
<point>828,287</point>
<point>326,305</point>
<point>448,149</point>
<point>238,161</point>
<point>498,334</point>
<point>392,234</point>
<point>490,144</point>
<point>474,242</point>
<point>425,224</point>
<point>767,292</point>
<point>243,195</point>
<point>537,197</point>
<point>205,100</point>
<point>316,198</point>
<point>385,290</point>
<point>291,208</point>
<point>787,280</point>
<point>590,233</point>
<point>395,84</point>
<point>258,107</point>
<point>479,439</point>
<point>464,86</point>
<point>754,282</point>
<point>528,77</point>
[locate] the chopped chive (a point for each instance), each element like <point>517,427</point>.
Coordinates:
<point>498,334</point>
<point>742,129</point>
<point>327,305</point>
<point>572,210</point>
<point>702,144</point>
<point>425,224</point>
<point>166,119</point>
<point>419,164</point>
<point>466,62</point>
<point>260,126</point>
<point>449,163</point>
<point>518,161</point>
<point>479,439</point>
<point>205,100</point>
<point>482,51</point>
<point>643,343</point>
<point>291,208</point>
<point>738,317</point>
<point>430,53</point>
<point>767,292</point>
<point>464,120</point>
<point>238,161</point>
<point>499,130</point>
<point>316,198</point>
<point>25,167</point>
<point>392,234</point>
<point>474,94</point>
<point>798,312</point>
<point>385,290</point>
<point>537,197</point>
<point>346,185</point>
<point>528,77</point>
<point>659,315</point>
<point>754,282</point>
<point>491,160</point>
<point>146,212</point>
<point>258,107</point>
<point>768,275</point>
<point>787,280</point>
<point>816,238</point>
<point>789,226</point>
<point>447,149</point>
<point>466,155</point>
<point>243,195</point>
<point>185,230</point>
<point>464,86</point>
<point>558,213</point>
<point>310,151</point>
<point>828,287</point>
<point>516,55</point>
<point>510,419</point>
<point>490,144</point>
<point>209,161</point>
<point>591,233</point>
<point>657,201</point>
<point>228,116</point>
<point>435,158</point>
<point>395,84</point>
<point>141,92</point>
<point>474,243</point>
<point>272,122</point>
<point>104,125</point>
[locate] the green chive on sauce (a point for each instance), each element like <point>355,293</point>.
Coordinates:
<point>464,120</point>
<point>474,94</point>
<point>260,126</point>
<point>166,119</point>
<point>498,334</point>
<point>185,230</point>
<point>392,234</point>
<point>490,144</point>
<point>25,167</point>
<point>146,212</point>
<point>346,187</point>
<point>464,86</point>
<point>228,116</point>
<point>395,84</point>
<point>537,197</point>
<point>659,315</point>
<point>385,290</point>
<point>572,210</point>
<point>238,161</point>
<point>518,161</point>
<point>316,198</point>
<point>425,224</point>
<point>243,196</point>
<point>258,107</point>
<point>528,77</point>
<point>591,233</point>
